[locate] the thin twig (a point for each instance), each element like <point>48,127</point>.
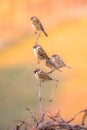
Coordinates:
<point>34,114</point>
<point>24,122</point>
<point>40,98</point>
<point>54,90</point>
<point>17,127</point>
<point>37,37</point>
<point>28,109</point>
<point>74,116</point>
<point>84,117</point>
<point>38,63</point>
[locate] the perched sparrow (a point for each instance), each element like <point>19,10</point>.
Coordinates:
<point>59,62</point>
<point>41,75</point>
<point>37,25</point>
<point>51,65</point>
<point>40,53</point>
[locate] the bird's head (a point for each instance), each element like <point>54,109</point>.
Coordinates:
<point>36,71</point>
<point>55,56</point>
<point>34,17</point>
<point>36,46</point>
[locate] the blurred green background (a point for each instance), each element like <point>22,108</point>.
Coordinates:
<point>65,21</point>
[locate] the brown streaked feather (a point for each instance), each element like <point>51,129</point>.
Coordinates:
<point>42,53</point>
<point>44,76</point>
<point>60,62</point>
<point>51,64</point>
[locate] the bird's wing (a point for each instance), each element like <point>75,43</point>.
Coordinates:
<point>60,61</point>
<point>50,63</point>
<point>40,24</point>
<point>44,76</point>
<point>42,53</point>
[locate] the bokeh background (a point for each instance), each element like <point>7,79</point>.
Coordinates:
<point>66,24</point>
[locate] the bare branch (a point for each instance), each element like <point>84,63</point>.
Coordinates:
<point>84,117</point>
<point>74,116</point>
<point>24,122</point>
<point>40,99</point>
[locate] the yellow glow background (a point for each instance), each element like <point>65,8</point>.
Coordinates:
<point>66,24</point>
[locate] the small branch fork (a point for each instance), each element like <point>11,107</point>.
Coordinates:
<point>54,122</point>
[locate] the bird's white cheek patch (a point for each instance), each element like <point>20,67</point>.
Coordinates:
<point>35,52</point>
<point>36,75</point>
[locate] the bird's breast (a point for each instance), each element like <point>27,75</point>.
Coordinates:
<point>35,52</point>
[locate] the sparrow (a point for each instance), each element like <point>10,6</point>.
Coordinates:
<point>42,76</point>
<point>59,62</point>
<point>51,66</point>
<point>40,53</point>
<point>37,25</point>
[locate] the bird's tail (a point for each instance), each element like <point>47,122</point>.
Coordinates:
<point>68,67</point>
<point>45,33</point>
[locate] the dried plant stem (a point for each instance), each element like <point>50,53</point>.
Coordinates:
<point>37,37</point>
<point>18,126</point>
<point>54,90</point>
<point>38,63</point>
<point>40,99</point>
<point>55,122</point>
<point>34,115</point>
<point>84,117</point>
<point>76,114</point>
<point>40,83</point>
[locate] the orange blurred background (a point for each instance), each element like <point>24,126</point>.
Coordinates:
<point>65,21</point>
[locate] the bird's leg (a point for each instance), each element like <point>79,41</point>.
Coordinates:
<point>40,99</point>
<point>54,90</point>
